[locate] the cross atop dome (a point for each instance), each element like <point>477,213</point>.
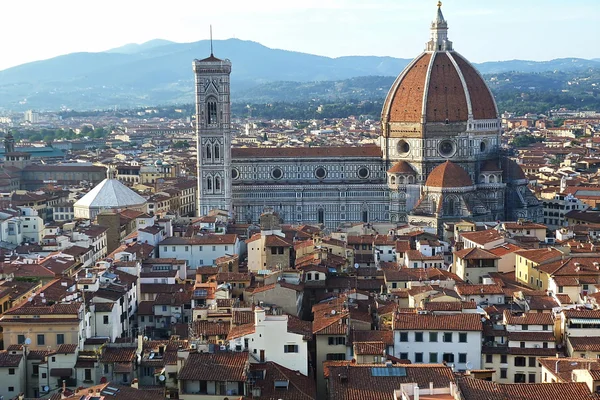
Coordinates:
<point>439,33</point>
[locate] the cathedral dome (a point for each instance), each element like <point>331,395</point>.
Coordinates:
<point>401,167</point>
<point>439,85</point>
<point>448,175</point>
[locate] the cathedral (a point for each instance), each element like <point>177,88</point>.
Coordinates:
<point>438,158</point>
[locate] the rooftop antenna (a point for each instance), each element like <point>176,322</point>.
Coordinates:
<point>211,42</point>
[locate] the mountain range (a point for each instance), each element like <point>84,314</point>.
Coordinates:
<point>160,72</point>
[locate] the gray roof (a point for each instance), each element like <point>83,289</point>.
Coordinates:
<point>110,193</point>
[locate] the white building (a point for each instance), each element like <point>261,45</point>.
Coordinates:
<point>425,338</point>
<point>271,339</point>
<point>105,320</point>
<point>32,225</point>
<point>556,208</point>
<point>12,375</point>
<point>199,250</point>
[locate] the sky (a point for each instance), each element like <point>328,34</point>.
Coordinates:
<point>482,30</point>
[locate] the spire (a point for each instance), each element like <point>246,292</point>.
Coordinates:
<point>211,44</point>
<point>439,33</point>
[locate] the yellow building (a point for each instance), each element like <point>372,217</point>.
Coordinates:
<point>14,293</point>
<point>530,271</point>
<point>45,326</point>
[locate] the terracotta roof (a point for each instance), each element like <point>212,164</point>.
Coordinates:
<point>300,387</point>
<point>306,152</point>
<point>595,314</point>
<point>369,348</point>
<point>585,343</point>
<point>210,328</point>
<point>220,367</point>
<point>528,319</point>
<point>401,167</point>
<point>67,349</point>
<point>118,354</point>
<point>469,290</point>
<point>455,322</point>
<point>504,249</point>
<point>523,225</point>
<point>54,309</point>
<point>229,238</point>
<point>475,253</point>
<point>448,175</point>
<point>482,237</point>
<point>478,389</point>
<point>10,360</point>
<point>238,331</point>
<point>531,336</point>
<point>124,392</point>
<point>361,383</point>
<point>540,256</point>
<point>456,306</point>
<point>276,241</point>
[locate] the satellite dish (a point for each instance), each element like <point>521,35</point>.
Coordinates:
<point>469,365</point>
<point>27,342</point>
<point>145,338</point>
<point>161,378</point>
<point>46,389</point>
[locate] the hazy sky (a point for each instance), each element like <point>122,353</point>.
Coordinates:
<point>482,30</point>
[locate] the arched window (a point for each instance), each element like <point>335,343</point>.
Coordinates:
<point>211,112</point>
<point>321,216</point>
<point>393,180</point>
<point>209,183</point>
<point>450,209</point>
<point>208,152</point>
<point>216,151</point>
<point>217,183</point>
<point>492,178</point>
<point>482,178</point>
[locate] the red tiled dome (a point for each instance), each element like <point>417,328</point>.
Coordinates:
<point>448,175</point>
<point>401,167</point>
<point>437,78</point>
<point>439,85</point>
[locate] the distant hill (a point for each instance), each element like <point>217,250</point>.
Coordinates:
<point>160,72</point>
<point>133,48</point>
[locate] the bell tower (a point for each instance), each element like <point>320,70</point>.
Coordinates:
<point>213,133</point>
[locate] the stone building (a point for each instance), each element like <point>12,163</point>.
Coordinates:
<point>438,158</point>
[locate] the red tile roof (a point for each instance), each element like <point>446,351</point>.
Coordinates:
<point>453,322</point>
<point>220,367</point>
<point>360,384</point>
<point>306,152</point>
<point>475,253</point>
<point>478,389</point>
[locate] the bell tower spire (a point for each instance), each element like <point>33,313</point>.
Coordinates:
<point>439,33</point>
